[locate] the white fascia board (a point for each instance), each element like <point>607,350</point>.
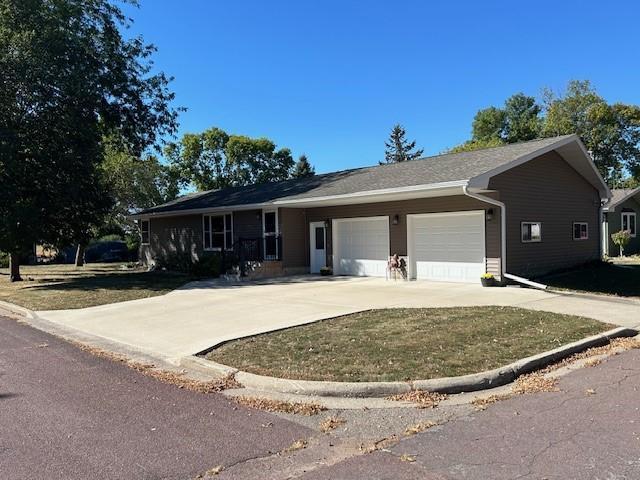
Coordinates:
<point>196,211</point>
<point>372,194</point>
<point>482,181</point>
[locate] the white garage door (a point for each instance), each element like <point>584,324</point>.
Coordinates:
<point>447,247</point>
<point>361,246</point>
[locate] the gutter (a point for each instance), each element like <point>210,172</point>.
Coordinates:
<point>503,239</point>
<point>503,225</point>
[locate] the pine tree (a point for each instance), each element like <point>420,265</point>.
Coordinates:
<point>398,149</point>
<point>303,168</point>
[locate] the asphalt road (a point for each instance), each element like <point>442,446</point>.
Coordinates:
<point>588,430</point>
<point>65,414</point>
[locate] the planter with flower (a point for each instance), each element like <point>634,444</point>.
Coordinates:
<point>488,280</point>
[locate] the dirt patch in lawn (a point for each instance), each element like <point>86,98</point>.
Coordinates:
<point>405,344</point>
<point>57,287</point>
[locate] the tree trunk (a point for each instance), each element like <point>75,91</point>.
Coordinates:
<point>14,267</point>
<point>80,256</point>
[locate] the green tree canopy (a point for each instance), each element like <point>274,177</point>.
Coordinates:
<point>214,159</point>
<point>611,132</point>
<point>398,148</point>
<point>303,168</point>
<point>69,78</point>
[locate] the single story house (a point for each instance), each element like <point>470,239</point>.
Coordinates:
<point>620,213</point>
<point>522,209</point>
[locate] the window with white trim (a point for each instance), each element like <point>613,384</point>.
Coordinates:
<point>629,222</point>
<point>145,229</point>
<point>580,231</point>
<point>531,232</point>
<point>270,234</point>
<point>218,232</point>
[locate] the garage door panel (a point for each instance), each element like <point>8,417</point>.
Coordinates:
<point>362,246</point>
<point>448,247</point>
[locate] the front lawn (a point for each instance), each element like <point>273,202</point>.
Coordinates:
<point>619,277</point>
<point>56,287</point>
<point>405,344</point>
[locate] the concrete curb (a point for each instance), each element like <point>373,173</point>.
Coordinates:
<point>465,383</point>
<point>17,310</point>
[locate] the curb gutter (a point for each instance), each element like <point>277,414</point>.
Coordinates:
<point>465,383</point>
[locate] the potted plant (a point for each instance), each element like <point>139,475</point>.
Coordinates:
<point>325,271</point>
<point>488,280</point>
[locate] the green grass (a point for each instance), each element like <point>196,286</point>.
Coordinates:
<point>405,344</point>
<point>619,277</point>
<point>56,287</point>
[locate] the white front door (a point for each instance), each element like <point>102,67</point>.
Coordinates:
<point>318,244</point>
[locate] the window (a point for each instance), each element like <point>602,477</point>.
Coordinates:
<point>144,232</point>
<point>531,232</point>
<point>580,231</point>
<point>629,222</point>
<point>270,231</point>
<point>218,232</point>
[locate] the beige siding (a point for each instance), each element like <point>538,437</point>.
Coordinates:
<point>615,225</point>
<point>548,190</point>
<point>398,233</point>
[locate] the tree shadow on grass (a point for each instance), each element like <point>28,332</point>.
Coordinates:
<point>151,281</point>
<point>607,278</point>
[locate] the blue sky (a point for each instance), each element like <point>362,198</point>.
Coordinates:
<point>330,78</point>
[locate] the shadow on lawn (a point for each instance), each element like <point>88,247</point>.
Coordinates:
<point>151,281</point>
<point>602,277</point>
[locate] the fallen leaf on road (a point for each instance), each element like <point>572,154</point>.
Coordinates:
<point>591,391</point>
<point>407,458</point>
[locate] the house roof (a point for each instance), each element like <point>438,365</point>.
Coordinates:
<point>440,171</point>
<point>620,195</point>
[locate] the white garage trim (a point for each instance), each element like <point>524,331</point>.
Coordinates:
<point>365,266</point>
<point>449,270</point>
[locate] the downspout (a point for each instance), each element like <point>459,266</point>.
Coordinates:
<point>503,239</point>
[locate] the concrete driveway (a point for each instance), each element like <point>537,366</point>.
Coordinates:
<point>203,314</point>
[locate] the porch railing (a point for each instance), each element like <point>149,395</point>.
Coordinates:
<point>253,250</point>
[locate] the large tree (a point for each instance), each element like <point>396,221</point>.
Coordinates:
<point>214,159</point>
<point>517,121</point>
<point>69,79</point>
<point>611,132</point>
<point>398,148</point>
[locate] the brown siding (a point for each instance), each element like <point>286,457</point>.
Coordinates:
<point>293,229</point>
<point>398,233</point>
<point>550,191</point>
<point>174,235</point>
<point>615,225</point>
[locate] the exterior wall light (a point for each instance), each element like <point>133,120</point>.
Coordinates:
<point>490,214</point>
<point>396,219</point>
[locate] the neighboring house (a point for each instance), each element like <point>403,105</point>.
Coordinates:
<point>524,209</point>
<point>621,214</point>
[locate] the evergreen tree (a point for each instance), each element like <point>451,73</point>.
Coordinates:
<point>303,168</point>
<point>398,149</point>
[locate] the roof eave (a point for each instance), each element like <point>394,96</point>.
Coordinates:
<point>482,181</point>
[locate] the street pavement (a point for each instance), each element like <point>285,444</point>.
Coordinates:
<point>590,429</point>
<point>65,414</point>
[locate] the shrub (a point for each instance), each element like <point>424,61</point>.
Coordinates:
<point>4,260</point>
<point>207,266</point>
<point>621,239</point>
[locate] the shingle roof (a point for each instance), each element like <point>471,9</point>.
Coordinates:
<point>444,168</point>
<point>619,194</point>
